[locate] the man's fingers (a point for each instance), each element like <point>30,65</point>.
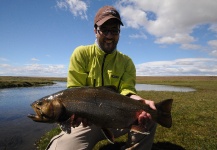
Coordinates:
<point>144,117</point>
<point>150,103</point>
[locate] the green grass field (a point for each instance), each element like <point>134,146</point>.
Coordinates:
<point>194,115</point>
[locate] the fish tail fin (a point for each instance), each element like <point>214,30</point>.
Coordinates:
<point>164,117</point>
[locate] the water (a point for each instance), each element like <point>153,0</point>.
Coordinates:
<point>19,132</point>
<point>16,130</point>
<point>151,87</point>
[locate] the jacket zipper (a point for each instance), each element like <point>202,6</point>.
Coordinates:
<point>103,62</point>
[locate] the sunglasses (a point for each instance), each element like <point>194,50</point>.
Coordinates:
<point>105,31</point>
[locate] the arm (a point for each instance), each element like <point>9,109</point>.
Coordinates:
<point>77,77</point>
<point>128,89</point>
<point>77,73</point>
<point>128,79</point>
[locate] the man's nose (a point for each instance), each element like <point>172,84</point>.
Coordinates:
<point>109,34</point>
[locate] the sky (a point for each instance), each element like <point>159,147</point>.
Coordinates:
<point>163,37</point>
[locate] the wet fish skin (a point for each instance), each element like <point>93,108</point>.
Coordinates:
<point>102,106</point>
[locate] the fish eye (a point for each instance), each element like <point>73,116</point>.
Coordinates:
<point>39,103</point>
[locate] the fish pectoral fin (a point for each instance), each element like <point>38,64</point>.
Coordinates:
<point>139,129</point>
<point>108,134</point>
<point>65,126</point>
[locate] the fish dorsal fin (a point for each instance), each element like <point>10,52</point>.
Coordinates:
<point>108,134</point>
<point>110,88</point>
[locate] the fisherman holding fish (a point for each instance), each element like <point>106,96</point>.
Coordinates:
<point>101,64</point>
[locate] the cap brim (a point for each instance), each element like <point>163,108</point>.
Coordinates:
<point>99,23</point>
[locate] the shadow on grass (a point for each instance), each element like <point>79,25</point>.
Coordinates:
<point>166,146</point>
<point>156,146</point>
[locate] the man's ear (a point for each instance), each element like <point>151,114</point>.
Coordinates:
<point>95,31</point>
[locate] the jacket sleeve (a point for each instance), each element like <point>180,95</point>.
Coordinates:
<point>128,80</point>
<point>77,73</point>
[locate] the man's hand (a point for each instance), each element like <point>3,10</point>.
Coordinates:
<point>144,116</point>
<point>76,121</point>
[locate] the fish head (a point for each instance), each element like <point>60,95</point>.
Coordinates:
<point>47,111</point>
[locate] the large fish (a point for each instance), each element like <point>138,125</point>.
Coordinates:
<point>102,106</point>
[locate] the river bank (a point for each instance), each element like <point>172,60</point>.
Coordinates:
<point>22,81</point>
<point>19,81</point>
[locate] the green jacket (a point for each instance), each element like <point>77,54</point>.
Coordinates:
<point>90,66</point>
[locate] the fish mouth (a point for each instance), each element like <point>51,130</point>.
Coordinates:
<point>34,117</point>
<point>38,116</point>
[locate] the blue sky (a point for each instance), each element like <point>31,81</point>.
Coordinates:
<point>163,37</point>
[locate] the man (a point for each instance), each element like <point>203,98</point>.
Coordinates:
<point>101,64</point>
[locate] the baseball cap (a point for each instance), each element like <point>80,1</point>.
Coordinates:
<point>105,13</point>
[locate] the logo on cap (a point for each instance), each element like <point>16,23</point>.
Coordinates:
<point>110,11</point>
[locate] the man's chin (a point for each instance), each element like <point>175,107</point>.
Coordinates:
<point>109,49</point>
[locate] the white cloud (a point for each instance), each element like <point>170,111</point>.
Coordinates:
<point>175,39</point>
<point>190,46</point>
<point>76,7</point>
<point>138,36</point>
<point>186,66</point>
<point>34,59</point>
<point>129,12</point>
<point>175,20</point>
<point>213,27</point>
<point>213,43</point>
<point>51,70</point>
<point>179,67</point>
<point>214,53</point>
<point>4,65</point>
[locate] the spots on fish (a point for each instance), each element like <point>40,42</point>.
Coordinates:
<point>100,104</point>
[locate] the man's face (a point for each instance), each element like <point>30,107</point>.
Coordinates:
<point>108,35</point>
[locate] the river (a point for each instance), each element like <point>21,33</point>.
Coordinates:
<point>19,132</point>
<point>16,130</point>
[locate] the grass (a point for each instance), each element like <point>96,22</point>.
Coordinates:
<point>13,81</point>
<point>194,115</point>
<point>194,119</point>
<point>43,142</point>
